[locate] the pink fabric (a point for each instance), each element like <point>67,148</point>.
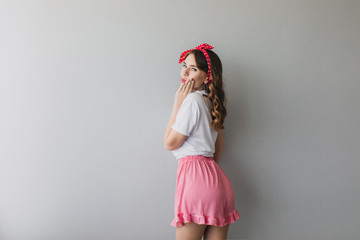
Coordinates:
<point>204,194</point>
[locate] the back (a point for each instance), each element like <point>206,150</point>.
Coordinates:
<point>194,120</point>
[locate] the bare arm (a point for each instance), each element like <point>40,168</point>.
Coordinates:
<point>219,145</point>
<point>173,139</point>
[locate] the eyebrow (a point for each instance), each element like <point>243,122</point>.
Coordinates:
<point>190,65</point>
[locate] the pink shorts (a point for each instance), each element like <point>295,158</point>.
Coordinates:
<point>204,194</point>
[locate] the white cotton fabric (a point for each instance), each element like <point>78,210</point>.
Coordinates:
<point>193,120</point>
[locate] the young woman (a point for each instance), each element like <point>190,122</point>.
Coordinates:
<point>204,197</point>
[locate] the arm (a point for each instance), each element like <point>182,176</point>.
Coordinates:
<point>173,139</point>
<point>219,145</point>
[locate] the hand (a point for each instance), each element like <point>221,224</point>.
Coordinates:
<point>183,91</point>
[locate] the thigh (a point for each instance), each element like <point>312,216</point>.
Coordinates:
<point>190,231</point>
<point>216,233</point>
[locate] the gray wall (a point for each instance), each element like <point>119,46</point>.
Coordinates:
<point>87,89</point>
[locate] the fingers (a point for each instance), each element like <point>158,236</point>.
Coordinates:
<point>181,87</point>
<point>188,84</point>
<point>187,87</point>
<point>192,85</point>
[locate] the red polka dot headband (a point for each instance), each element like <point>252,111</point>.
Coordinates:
<point>202,48</point>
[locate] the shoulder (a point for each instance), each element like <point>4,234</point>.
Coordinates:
<point>199,99</point>
<point>194,97</point>
<point>191,103</point>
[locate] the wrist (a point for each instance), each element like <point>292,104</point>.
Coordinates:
<point>176,106</point>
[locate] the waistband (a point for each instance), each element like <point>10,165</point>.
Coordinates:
<point>194,158</point>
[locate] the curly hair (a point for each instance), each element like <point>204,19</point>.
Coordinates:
<point>215,90</point>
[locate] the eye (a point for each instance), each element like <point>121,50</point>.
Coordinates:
<point>184,65</point>
<point>194,69</point>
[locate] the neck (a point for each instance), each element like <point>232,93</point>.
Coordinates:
<point>202,87</point>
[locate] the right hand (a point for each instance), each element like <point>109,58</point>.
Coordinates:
<point>183,91</point>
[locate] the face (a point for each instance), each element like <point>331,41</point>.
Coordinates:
<point>190,70</point>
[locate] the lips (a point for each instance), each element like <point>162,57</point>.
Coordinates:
<point>183,80</point>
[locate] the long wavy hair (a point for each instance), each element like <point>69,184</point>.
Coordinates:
<point>215,91</point>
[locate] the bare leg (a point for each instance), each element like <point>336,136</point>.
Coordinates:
<point>190,231</point>
<point>216,233</point>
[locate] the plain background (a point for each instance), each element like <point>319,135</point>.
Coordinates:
<point>87,89</point>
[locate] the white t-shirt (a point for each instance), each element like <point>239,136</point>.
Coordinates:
<point>193,120</point>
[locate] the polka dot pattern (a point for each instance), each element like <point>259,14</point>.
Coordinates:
<point>203,47</point>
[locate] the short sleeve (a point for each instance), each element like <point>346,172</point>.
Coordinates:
<point>187,116</point>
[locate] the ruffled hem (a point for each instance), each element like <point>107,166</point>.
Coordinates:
<point>220,221</point>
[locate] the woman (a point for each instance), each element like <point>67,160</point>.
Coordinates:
<point>204,199</point>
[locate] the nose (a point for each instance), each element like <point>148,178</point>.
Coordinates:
<point>186,72</point>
